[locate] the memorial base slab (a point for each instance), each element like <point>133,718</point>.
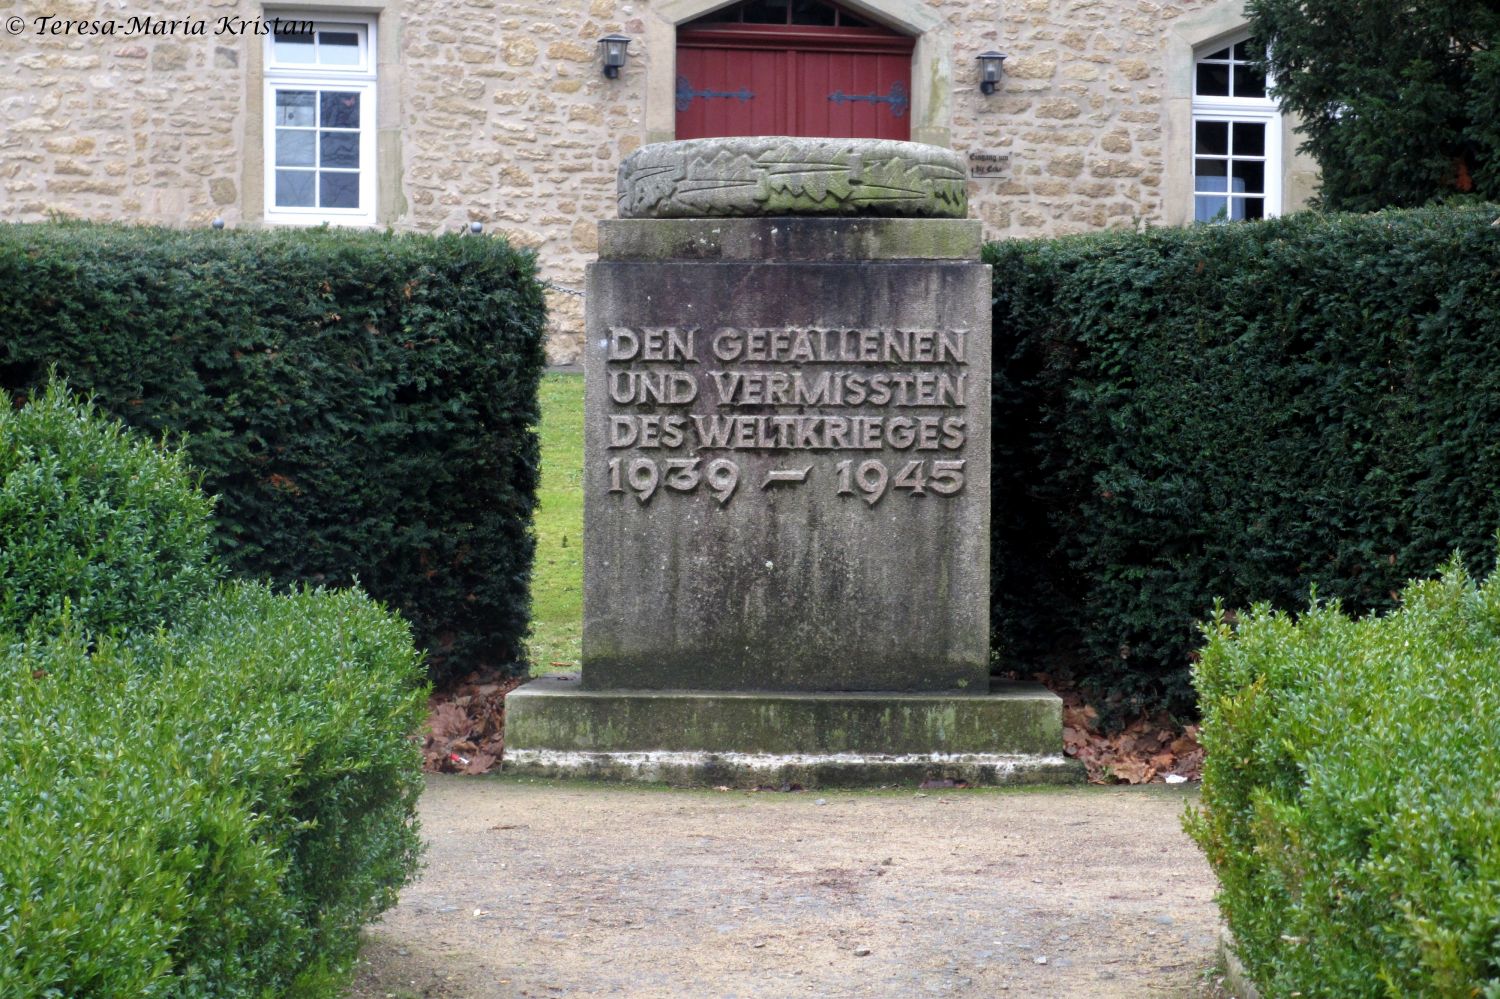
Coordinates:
<point>1010,735</point>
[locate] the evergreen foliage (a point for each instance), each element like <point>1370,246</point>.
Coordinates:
<point>210,812</point>
<point>1235,411</point>
<point>1349,806</point>
<point>95,525</point>
<point>1398,100</point>
<point>205,790</point>
<point>361,403</point>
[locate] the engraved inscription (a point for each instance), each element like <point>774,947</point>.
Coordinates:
<point>885,409</point>
<point>776,475</point>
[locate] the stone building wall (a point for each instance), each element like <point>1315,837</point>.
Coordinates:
<point>1078,113</point>
<point>117,126</point>
<point>496,111</point>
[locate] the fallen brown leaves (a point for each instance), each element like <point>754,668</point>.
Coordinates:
<point>466,725</point>
<point>1148,749</point>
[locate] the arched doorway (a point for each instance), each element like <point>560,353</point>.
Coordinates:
<point>792,67</point>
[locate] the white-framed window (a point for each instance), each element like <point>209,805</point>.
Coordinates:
<point>1237,166</point>
<point>320,120</point>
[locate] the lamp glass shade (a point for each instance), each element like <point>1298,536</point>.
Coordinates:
<point>990,64</point>
<point>613,48</point>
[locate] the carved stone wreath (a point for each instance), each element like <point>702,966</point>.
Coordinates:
<point>782,175</point>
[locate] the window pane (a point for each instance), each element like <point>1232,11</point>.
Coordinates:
<point>1211,175</point>
<point>812,12</point>
<point>338,190</point>
<point>1249,83</point>
<point>1221,54</point>
<point>848,20</point>
<point>1249,138</point>
<point>1213,81</point>
<point>294,148</point>
<point>766,12</point>
<point>339,149</point>
<point>1255,208</point>
<point>1213,138</point>
<point>295,107</point>
<point>289,47</point>
<point>338,48</point>
<point>1210,209</point>
<point>1246,50</point>
<point>340,109</point>
<point>294,188</point>
<point>1249,177</point>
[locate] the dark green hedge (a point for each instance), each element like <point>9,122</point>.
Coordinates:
<point>361,403</point>
<point>1242,412</point>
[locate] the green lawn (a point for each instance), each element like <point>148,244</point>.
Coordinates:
<point>557,579</point>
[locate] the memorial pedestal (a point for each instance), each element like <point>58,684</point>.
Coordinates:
<point>786,487</point>
<point>1010,735</point>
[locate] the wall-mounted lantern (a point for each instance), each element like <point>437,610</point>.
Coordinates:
<point>990,64</point>
<point>612,50</point>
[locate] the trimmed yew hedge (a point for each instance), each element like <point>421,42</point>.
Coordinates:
<point>361,403</point>
<point>1240,412</point>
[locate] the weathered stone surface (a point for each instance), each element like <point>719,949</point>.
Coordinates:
<point>787,467</point>
<point>222,190</point>
<point>805,771</point>
<point>809,239</point>
<point>1011,718</point>
<point>1011,735</point>
<point>785,175</point>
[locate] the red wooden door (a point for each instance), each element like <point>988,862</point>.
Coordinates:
<point>765,79</point>
<point>866,95</point>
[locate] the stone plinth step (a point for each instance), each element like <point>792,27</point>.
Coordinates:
<point>1011,734</point>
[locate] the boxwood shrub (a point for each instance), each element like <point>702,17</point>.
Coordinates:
<point>209,812</point>
<point>1349,799</point>
<point>361,403</point>
<point>205,790</point>
<point>1238,411</point>
<point>94,523</point>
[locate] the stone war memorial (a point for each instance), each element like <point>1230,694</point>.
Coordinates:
<point>787,482</point>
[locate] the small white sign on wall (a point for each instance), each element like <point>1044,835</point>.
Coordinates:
<point>988,164</point>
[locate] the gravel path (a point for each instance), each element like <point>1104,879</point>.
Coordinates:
<point>545,890</point>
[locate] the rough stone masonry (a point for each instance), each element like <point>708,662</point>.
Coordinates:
<point>786,482</point>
